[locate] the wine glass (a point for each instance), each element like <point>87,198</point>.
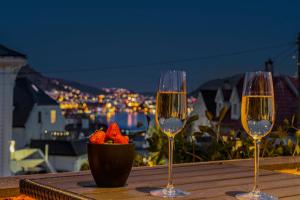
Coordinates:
<point>171,113</point>
<point>257,116</point>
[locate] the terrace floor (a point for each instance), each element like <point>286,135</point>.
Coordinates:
<point>205,180</point>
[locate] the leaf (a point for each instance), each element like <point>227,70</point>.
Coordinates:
<point>209,115</point>
<point>232,132</point>
<point>298,133</point>
<point>150,164</point>
<point>225,138</point>
<point>297,150</point>
<point>290,144</point>
<point>279,150</point>
<point>238,144</point>
<point>223,113</point>
<point>208,130</point>
<point>293,120</point>
<point>192,118</point>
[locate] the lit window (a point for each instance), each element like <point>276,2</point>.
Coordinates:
<point>53,116</point>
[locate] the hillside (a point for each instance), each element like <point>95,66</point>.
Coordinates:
<point>47,83</point>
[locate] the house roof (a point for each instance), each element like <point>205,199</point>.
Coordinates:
<point>216,83</point>
<point>285,100</point>
<point>26,94</point>
<point>62,147</point>
<point>6,52</point>
<point>209,99</point>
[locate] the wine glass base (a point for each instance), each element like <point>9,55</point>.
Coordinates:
<point>169,193</point>
<point>255,196</point>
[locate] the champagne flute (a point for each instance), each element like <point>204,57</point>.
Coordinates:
<point>257,116</point>
<point>171,113</point>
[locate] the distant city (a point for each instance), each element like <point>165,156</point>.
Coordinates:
<point>52,118</point>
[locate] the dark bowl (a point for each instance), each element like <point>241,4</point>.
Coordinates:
<point>110,164</point>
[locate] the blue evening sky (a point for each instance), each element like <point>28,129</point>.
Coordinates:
<point>119,43</point>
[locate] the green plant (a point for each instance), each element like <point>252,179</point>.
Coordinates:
<point>85,166</point>
<point>223,144</point>
<point>158,145</point>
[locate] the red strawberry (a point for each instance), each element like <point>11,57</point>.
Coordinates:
<point>97,137</point>
<point>119,139</point>
<point>112,131</point>
<point>126,139</point>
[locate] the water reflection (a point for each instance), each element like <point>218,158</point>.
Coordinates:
<point>127,120</point>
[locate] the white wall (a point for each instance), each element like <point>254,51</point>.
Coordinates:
<point>34,130</point>
<point>9,66</point>
<point>68,163</point>
<point>18,135</point>
<point>200,109</point>
<point>235,102</point>
<point>219,100</point>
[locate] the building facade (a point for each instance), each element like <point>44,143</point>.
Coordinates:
<point>10,63</point>
<point>36,115</point>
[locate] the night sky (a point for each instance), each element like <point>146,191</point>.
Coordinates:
<point>127,43</point>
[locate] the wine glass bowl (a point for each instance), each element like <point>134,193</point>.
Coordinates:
<point>171,111</point>
<point>258,111</point>
<point>257,115</point>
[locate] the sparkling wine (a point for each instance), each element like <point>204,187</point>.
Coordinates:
<point>171,111</point>
<point>257,115</point>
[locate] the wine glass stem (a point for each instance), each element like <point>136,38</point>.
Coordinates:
<point>256,165</point>
<point>170,165</point>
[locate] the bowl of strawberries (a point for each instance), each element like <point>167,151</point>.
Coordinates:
<point>110,157</point>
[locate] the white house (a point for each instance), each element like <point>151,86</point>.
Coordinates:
<point>235,104</point>
<point>200,108</point>
<point>35,115</point>
<point>10,63</point>
<point>216,94</point>
<point>38,121</point>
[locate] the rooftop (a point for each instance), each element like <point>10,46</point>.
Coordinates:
<point>26,94</point>
<point>6,52</point>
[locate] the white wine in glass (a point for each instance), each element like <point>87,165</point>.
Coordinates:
<point>257,116</point>
<point>171,113</point>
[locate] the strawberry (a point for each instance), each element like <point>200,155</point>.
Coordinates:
<point>119,139</point>
<point>112,131</point>
<point>126,139</point>
<point>97,137</point>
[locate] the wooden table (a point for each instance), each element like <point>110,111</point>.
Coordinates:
<point>213,181</point>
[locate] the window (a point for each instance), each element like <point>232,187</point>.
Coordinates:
<point>235,112</point>
<point>234,109</point>
<point>39,117</point>
<point>53,116</point>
